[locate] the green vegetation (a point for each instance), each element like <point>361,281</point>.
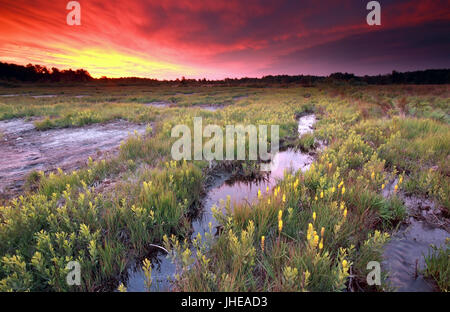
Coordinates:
<point>438,266</point>
<point>315,231</point>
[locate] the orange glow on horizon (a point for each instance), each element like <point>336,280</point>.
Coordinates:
<point>115,64</point>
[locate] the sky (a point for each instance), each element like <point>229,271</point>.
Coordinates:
<point>216,39</point>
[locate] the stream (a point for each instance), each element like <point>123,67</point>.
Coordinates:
<point>404,254</point>
<point>238,191</point>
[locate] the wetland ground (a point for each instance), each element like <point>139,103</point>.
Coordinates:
<point>86,175</point>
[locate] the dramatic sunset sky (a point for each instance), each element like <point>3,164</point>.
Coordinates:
<point>166,39</point>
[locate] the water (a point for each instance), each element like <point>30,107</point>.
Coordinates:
<point>403,256</point>
<point>44,96</point>
<point>158,104</point>
<point>238,191</point>
<point>244,191</point>
<point>162,104</point>
<point>211,108</point>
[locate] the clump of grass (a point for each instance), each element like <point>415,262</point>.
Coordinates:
<point>33,181</point>
<point>438,266</point>
<point>77,119</point>
<point>306,143</point>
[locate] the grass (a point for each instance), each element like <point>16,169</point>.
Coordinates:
<point>316,230</point>
<point>438,267</point>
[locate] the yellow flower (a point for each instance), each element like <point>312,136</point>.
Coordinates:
<point>259,193</point>
<point>321,244</point>
<point>396,188</point>
<point>322,231</point>
<point>340,184</point>
<point>122,288</point>
<point>382,186</point>
<point>372,176</point>
<point>321,194</point>
<point>345,213</point>
<point>280,225</point>
<point>280,215</point>
<point>342,206</point>
<point>284,198</point>
<point>333,189</point>
<point>316,240</point>
<point>315,198</point>
<point>314,216</point>
<point>400,180</point>
<point>344,264</point>
<point>267,189</point>
<point>343,190</point>
<point>262,243</point>
<point>330,165</point>
<point>310,231</point>
<point>268,201</point>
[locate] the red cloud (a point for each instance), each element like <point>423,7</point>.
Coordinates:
<point>204,38</point>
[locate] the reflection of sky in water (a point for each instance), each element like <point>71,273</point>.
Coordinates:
<point>407,247</point>
<point>161,267</point>
<point>239,192</point>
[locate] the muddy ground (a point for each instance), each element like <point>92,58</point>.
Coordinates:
<point>24,149</point>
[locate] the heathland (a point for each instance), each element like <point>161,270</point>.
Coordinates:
<point>381,164</point>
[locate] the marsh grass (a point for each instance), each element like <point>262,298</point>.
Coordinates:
<point>438,266</point>
<point>315,231</point>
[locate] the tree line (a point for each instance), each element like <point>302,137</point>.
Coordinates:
<point>38,73</point>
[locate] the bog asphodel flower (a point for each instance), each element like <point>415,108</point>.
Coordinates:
<point>314,216</point>
<point>345,213</point>
<point>310,231</point>
<point>321,194</point>
<point>259,193</point>
<point>284,198</point>
<point>280,225</point>
<point>344,265</point>
<point>372,176</point>
<point>343,190</point>
<point>321,244</point>
<point>396,188</point>
<point>316,240</point>
<point>280,215</point>
<point>322,231</point>
<point>382,186</point>
<point>263,239</point>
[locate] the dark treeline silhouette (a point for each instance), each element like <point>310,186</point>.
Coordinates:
<point>38,73</point>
